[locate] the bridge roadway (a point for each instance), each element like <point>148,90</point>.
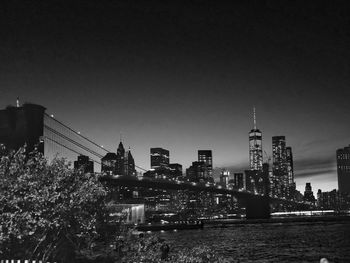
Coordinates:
<point>257,206</point>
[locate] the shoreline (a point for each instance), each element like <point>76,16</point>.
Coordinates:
<point>297,219</point>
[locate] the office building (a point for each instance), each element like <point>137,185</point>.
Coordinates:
<point>175,170</point>
<point>255,148</point>
<point>206,157</point>
<point>120,164</point>
<point>279,167</point>
<point>159,158</point>
<point>343,169</point>
<point>290,171</point>
<point>257,181</point>
<point>309,194</point>
<point>129,168</point>
<point>197,172</point>
<point>238,181</point>
<point>224,178</point>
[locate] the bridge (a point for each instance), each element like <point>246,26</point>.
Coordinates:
<point>257,206</point>
<point>30,124</point>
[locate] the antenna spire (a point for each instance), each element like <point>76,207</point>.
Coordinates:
<point>121,137</point>
<point>254,117</point>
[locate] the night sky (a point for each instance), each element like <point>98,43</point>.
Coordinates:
<point>185,75</point>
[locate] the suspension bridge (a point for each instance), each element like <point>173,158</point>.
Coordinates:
<point>30,124</point>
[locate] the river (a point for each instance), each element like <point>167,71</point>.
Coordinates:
<point>271,242</point>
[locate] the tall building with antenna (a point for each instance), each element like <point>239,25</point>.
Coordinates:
<point>255,147</point>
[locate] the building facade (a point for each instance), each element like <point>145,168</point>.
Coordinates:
<point>206,157</point>
<point>159,158</point>
<point>279,167</point>
<point>255,148</point>
<point>343,169</point>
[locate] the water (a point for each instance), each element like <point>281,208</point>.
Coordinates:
<point>271,242</point>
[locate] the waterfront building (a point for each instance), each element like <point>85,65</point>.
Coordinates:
<point>224,178</point>
<point>343,169</point>
<point>159,158</point>
<point>309,194</point>
<point>279,167</point>
<point>206,157</point>
<point>255,147</point>
<point>84,164</point>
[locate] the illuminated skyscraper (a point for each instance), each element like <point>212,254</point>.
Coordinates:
<point>224,178</point>
<point>290,170</point>
<point>255,147</point>
<point>279,168</point>
<point>343,169</point>
<point>206,157</point>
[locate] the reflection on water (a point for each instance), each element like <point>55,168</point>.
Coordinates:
<point>272,242</point>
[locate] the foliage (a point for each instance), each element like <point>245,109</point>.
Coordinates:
<point>47,211</point>
<point>150,251</point>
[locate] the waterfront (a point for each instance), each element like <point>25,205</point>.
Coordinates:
<point>271,242</point>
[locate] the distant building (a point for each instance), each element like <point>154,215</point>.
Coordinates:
<point>279,168</point>
<point>159,158</point>
<point>108,163</point>
<point>238,181</point>
<point>343,169</point>
<point>309,194</point>
<point>129,164</point>
<point>84,163</point>
<point>206,157</point>
<point>197,172</point>
<point>175,170</point>
<point>120,164</point>
<point>257,181</point>
<point>224,178</point>
<point>290,170</point>
<point>255,148</point>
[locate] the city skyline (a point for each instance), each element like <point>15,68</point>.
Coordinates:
<point>186,77</point>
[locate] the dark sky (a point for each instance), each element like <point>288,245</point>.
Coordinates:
<point>185,75</point>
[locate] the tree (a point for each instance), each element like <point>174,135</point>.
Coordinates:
<point>47,211</point>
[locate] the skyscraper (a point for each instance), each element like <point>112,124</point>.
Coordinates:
<point>120,164</point>
<point>309,194</point>
<point>290,171</point>
<point>279,168</point>
<point>196,172</point>
<point>129,164</point>
<point>206,157</point>
<point>255,147</point>
<point>224,178</point>
<point>159,158</point>
<point>343,169</point>
<point>238,180</point>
